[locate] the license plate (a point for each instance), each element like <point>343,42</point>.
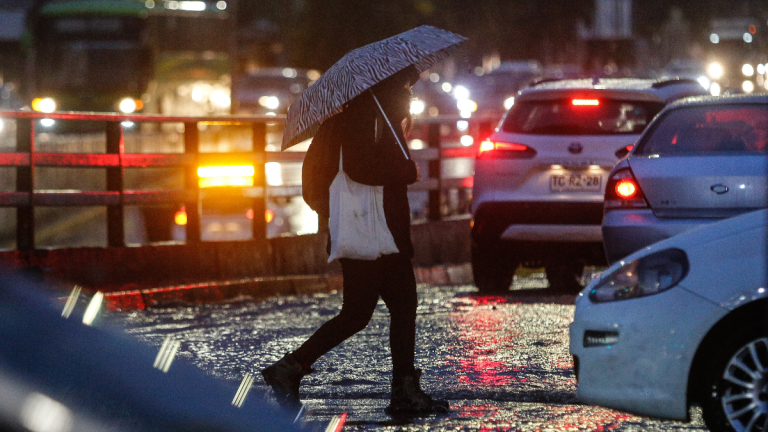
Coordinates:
<point>575,182</point>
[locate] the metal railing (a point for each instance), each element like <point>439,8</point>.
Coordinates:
<point>115,161</point>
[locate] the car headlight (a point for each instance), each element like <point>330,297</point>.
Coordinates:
<point>648,275</point>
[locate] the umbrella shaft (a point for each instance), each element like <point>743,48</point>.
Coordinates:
<point>390,126</point>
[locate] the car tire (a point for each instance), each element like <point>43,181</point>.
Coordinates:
<point>492,268</point>
<point>565,275</point>
<point>740,362</point>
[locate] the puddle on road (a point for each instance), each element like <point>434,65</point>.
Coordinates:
<point>502,361</point>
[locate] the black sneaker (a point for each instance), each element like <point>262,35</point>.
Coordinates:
<point>409,398</point>
<point>284,377</point>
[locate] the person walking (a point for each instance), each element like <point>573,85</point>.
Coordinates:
<point>371,156</point>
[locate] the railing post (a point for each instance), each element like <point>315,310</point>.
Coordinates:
<point>25,182</point>
<point>435,172</point>
<point>115,182</point>
<point>259,223</point>
<point>191,183</point>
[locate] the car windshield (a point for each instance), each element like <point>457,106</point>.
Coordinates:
<point>724,129</point>
<point>576,117</point>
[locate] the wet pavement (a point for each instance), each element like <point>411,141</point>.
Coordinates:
<point>501,361</point>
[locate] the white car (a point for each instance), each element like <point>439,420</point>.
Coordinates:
<point>540,177</point>
<point>681,322</point>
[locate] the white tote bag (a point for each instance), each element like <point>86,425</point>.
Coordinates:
<point>357,223</point>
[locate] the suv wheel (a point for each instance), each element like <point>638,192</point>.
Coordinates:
<point>492,267</point>
<point>565,275</point>
<point>736,384</point>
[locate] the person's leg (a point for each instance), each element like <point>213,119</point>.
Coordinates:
<point>362,282</point>
<point>399,294</point>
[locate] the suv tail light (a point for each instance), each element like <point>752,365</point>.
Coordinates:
<point>623,191</point>
<point>501,150</point>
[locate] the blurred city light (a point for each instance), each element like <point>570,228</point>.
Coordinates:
<point>290,73</point>
<point>748,70</point>
<point>166,354</point>
<point>127,105</point>
<point>748,86</point>
<point>92,311</point>
<point>416,144</point>
<point>462,125</point>
<point>221,5</point>
<point>761,69</point>
<point>704,81</point>
<point>434,77</point>
<point>221,98</point>
<point>40,413</point>
<point>180,217</point>
<point>417,107</point>
<point>509,102</point>
<point>466,105</point>
<point>45,105</point>
<point>714,38</point>
<point>273,173</point>
<point>465,114</point>
<point>46,122</point>
<point>446,87</point>
<point>747,37</point>
<point>460,92</point>
<point>127,124</point>
<point>149,4</point>
<point>269,102</point>
<point>715,70</point>
<point>69,306</point>
<point>466,140</point>
<point>197,6</point>
<point>714,89</point>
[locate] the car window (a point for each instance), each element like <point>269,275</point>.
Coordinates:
<point>725,129</point>
<point>580,117</point>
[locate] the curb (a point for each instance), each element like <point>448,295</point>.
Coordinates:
<point>216,291</point>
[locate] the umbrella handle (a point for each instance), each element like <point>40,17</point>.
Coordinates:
<point>390,126</point>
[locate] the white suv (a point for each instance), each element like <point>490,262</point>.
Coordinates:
<point>540,177</point>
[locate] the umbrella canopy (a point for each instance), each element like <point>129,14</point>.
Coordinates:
<point>359,70</point>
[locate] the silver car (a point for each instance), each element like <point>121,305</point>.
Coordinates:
<point>701,160</point>
<point>540,177</point>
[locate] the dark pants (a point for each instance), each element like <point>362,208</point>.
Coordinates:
<point>389,277</point>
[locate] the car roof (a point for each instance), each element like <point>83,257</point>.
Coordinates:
<point>716,100</point>
<point>631,88</point>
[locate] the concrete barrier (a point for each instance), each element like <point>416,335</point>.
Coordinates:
<point>144,276</point>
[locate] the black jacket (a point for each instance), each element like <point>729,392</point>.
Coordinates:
<point>373,157</point>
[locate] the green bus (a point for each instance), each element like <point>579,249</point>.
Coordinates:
<point>129,55</point>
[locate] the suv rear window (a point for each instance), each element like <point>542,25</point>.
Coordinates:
<point>575,116</point>
<point>724,129</point>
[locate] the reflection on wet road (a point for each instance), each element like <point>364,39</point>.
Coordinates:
<point>501,361</point>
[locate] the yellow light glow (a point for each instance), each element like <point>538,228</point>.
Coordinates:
<point>226,171</point>
<point>715,70</point>
<point>594,167</point>
<point>180,217</point>
<point>225,181</point>
<point>556,167</point>
<point>46,105</point>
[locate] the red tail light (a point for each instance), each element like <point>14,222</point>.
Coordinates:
<point>501,150</point>
<point>585,102</point>
<point>623,191</point>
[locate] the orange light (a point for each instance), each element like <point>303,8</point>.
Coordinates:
<point>585,102</point>
<point>249,214</point>
<point>269,215</point>
<point>139,104</point>
<point>180,217</point>
<point>752,29</point>
<point>630,147</point>
<point>626,188</point>
<point>486,146</point>
<point>217,176</point>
